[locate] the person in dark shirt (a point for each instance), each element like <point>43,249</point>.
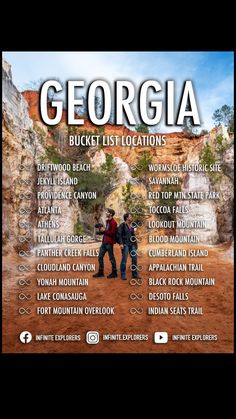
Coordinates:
<point>108,241</point>
<point>128,245</point>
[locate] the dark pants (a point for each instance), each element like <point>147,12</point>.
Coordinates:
<point>125,251</point>
<point>103,249</point>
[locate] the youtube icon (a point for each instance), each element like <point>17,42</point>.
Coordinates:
<point>160,337</point>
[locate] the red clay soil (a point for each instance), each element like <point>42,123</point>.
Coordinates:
<point>217,303</point>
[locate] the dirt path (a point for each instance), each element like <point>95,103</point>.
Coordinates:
<point>216,301</point>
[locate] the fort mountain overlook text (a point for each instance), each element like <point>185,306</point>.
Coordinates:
<point>121,105</point>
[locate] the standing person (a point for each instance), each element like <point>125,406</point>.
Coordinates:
<point>108,241</point>
<point>125,233</point>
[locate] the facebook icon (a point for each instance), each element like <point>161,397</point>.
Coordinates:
<point>25,337</point>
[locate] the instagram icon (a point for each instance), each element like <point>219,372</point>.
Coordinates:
<point>92,337</point>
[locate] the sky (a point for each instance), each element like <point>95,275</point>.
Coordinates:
<point>210,72</point>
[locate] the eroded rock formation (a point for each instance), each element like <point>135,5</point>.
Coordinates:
<point>25,140</point>
<point>23,148</point>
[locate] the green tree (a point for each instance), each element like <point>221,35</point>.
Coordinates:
<point>72,130</point>
<point>109,170</point>
<point>133,201</point>
<point>142,128</point>
<point>225,116</point>
<point>100,181</point>
<point>109,166</point>
<point>221,145</point>
<point>92,181</point>
<point>231,123</point>
<point>169,202</point>
<point>142,165</point>
<point>78,228</point>
<point>208,157</point>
